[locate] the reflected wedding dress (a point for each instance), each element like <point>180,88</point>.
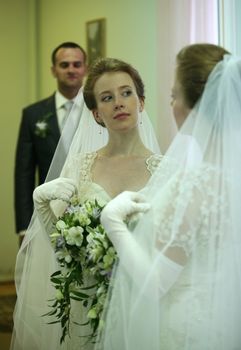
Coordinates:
<point>140,316</point>
<point>182,308</point>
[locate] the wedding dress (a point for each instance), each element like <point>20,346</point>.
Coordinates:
<point>183,307</point>
<point>80,169</point>
<point>190,292</point>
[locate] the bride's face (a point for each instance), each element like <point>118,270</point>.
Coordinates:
<point>179,105</point>
<point>118,104</point>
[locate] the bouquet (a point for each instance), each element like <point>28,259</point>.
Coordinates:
<point>84,253</point>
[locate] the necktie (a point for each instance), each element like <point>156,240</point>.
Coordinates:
<point>67,107</point>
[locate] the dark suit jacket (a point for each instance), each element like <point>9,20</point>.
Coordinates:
<point>34,153</point>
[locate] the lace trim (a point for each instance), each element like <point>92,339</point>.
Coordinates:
<point>85,169</point>
<point>153,162</point>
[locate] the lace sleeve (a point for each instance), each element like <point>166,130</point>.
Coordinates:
<point>72,166</point>
<point>183,214</point>
<point>77,167</point>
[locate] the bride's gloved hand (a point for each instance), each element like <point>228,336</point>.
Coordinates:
<point>134,255</point>
<point>61,188</point>
<point>117,211</point>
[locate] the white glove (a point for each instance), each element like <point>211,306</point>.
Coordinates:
<point>118,210</point>
<point>61,188</point>
<point>132,255</point>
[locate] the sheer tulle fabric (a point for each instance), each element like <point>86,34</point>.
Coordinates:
<point>36,258</point>
<point>195,221</point>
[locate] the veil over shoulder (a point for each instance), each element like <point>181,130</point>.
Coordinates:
<point>195,222</point>
<point>36,259</point>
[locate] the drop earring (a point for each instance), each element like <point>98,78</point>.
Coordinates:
<point>98,122</point>
<point>140,118</point>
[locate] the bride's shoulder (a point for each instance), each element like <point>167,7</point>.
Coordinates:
<point>82,158</point>
<point>78,161</point>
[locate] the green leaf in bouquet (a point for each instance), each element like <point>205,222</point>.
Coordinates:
<point>91,261</point>
<point>80,295</point>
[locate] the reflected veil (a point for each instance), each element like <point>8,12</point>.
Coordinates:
<point>195,205</point>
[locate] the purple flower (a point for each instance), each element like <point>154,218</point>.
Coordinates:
<point>60,242</point>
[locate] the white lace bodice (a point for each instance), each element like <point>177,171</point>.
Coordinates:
<point>80,169</point>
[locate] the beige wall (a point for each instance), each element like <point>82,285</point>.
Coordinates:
<point>29,29</point>
<point>15,91</point>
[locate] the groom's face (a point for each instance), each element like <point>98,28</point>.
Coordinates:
<point>69,68</point>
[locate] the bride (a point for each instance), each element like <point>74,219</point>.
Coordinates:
<point>97,158</point>
<point>178,281</point>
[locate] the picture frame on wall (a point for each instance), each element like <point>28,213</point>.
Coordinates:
<point>95,37</point>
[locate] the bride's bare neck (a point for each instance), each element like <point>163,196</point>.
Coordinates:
<point>124,145</point>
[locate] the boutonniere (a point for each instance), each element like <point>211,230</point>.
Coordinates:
<point>42,127</point>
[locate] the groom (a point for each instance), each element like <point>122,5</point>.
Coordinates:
<point>40,130</point>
